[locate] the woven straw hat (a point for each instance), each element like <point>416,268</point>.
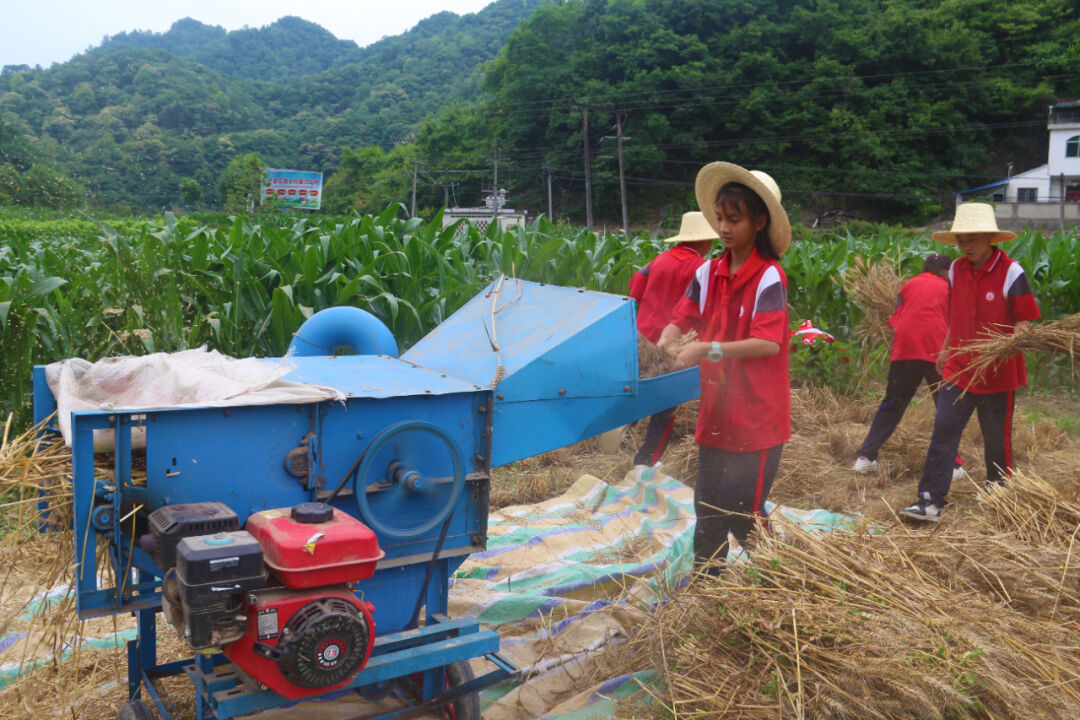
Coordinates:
<point>973,218</point>
<point>715,175</point>
<point>694,228</point>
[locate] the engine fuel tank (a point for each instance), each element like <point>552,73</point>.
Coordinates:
<point>313,544</point>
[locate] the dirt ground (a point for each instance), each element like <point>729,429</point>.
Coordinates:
<point>815,472</point>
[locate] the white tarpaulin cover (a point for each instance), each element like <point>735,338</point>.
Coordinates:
<point>190,378</point>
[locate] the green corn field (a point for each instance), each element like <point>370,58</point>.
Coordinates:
<point>81,288</point>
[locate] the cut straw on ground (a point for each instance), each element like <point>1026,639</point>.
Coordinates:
<point>967,620</point>
<point>978,617</point>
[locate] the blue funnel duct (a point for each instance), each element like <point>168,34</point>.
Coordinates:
<point>562,363</point>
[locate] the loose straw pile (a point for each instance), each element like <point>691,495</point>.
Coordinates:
<point>32,471</point>
<point>35,489</point>
<point>1059,336</point>
<point>874,286</point>
<point>975,618</point>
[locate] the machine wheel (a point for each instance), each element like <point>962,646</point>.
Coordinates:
<point>397,509</point>
<point>466,707</point>
<point>136,710</point>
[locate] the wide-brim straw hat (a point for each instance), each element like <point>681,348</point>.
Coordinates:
<point>694,228</point>
<point>715,175</point>
<point>973,218</point>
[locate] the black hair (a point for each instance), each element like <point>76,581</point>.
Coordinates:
<point>738,197</point>
<point>937,264</point>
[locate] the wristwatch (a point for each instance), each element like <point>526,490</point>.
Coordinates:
<point>715,353</point>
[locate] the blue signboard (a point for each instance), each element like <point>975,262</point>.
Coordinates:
<point>292,188</point>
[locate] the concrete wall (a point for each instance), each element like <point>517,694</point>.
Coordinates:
<point>1046,216</point>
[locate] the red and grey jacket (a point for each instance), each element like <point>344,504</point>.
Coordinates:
<point>745,403</point>
<point>991,299</point>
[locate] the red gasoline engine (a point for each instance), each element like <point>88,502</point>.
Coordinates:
<point>275,597</point>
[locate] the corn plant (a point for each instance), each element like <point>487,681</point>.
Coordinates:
<point>244,285</point>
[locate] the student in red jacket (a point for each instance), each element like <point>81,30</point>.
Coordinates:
<point>657,287</point>
<point>737,303</point>
<point>920,323</point>
<point>989,292</point>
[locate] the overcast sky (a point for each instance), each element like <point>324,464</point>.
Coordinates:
<point>41,32</point>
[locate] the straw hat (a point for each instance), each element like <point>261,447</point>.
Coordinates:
<point>715,175</point>
<point>974,218</point>
<point>694,228</point>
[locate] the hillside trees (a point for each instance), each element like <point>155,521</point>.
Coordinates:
<point>897,101</point>
<point>887,104</point>
<point>238,187</point>
<point>26,179</point>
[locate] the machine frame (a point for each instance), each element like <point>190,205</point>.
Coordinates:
<point>506,377</point>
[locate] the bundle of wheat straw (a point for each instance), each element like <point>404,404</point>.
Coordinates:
<point>874,286</point>
<point>652,359</point>
<point>1032,510</point>
<point>1059,336</point>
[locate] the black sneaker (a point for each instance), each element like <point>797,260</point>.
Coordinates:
<point>922,511</point>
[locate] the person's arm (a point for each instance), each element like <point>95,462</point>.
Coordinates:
<point>1021,326</point>
<point>694,353</point>
<point>939,364</point>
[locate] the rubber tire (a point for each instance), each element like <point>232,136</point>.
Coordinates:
<point>468,706</point>
<point>135,710</point>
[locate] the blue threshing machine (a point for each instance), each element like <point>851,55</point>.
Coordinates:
<point>294,545</point>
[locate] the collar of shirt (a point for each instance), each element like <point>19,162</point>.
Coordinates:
<point>687,249</point>
<point>723,265</point>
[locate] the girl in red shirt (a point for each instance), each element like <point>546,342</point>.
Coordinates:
<point>920,323</point>
<point>737,303</point>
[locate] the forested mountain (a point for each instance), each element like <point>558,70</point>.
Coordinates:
<point>886,106</point>
<point>129,120</point>
<point>291,46</point>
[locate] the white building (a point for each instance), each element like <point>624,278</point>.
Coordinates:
<point>1047,193</point>
<point>495,210</point>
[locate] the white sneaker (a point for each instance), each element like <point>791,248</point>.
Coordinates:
<point>864,465</point>
<point>922,511</point>
<point>957,474</point>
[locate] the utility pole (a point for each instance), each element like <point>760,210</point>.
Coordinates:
<point>547,176</point>
<point>495,183</point>
<point>446,191</point>
<point>415,162</point>
<point>620,115</point>
<point>588,175</point>
<point>622,178</point>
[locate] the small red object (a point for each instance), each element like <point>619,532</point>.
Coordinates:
<point>302,555</point>
<point>337,646</point>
